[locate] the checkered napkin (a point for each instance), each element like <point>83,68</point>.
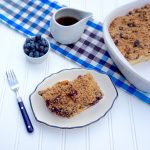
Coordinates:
<point>30,17</point>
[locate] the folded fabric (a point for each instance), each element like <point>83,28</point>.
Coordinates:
<point>31,17</point>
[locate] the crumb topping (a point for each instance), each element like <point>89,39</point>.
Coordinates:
<point>131,33</point>
<point>68,98</point>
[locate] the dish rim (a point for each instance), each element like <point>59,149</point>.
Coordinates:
<point>73,126</point>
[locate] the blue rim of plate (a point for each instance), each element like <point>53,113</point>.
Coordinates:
<point>74,126</point>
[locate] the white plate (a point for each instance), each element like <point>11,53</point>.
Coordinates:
<point>138,74</point>
<point>92,114</point>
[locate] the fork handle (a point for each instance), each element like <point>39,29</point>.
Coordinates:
<point>25,116</point>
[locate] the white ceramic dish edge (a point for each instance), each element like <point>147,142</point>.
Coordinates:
<point>138,81</point>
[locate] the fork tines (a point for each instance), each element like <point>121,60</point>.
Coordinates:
<point>11,76</point>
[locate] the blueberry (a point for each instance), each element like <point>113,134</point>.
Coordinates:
<point>41,48</point>
<point>120,28</point>
<point>33,50</point>
<point>28,45</point>
<point>31,54</point>
<point>26,51</point>
<point>36,54</point>
<point>73,93</point>
<point>47,103</point>
<point>46,43</point>
<point>31,42</point>
<point>36,43</point>
<point>33,38</point>
<point>36,46</point>
<point>38,37</point>
<point>32,45</point>
<point>41,54</point>
<point>28,40</point>
<point>24,46</point>
<point>45,50</point>
<point>136,43</point>
<point>131,24</point>
<point>43,42</point>
<point>46,47</point>
<point>116,42</point>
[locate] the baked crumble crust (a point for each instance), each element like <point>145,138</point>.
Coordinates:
<point>131,34</point>
<point>68,98</point>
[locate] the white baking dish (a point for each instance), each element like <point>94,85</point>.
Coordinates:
<point>135,73</point>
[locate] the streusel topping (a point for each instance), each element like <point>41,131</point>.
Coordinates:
<point>131,34</point>
<point>68,98</point>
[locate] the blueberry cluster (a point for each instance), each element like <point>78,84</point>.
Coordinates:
<point>36,46</point>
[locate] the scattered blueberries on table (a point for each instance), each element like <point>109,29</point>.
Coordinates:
<point>36,46</point>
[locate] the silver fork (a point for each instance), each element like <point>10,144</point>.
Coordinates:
<point>14,85</point>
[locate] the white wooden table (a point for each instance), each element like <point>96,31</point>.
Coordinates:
<point>125,127</point>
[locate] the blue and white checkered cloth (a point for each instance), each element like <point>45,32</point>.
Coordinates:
<point>30,17</point>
